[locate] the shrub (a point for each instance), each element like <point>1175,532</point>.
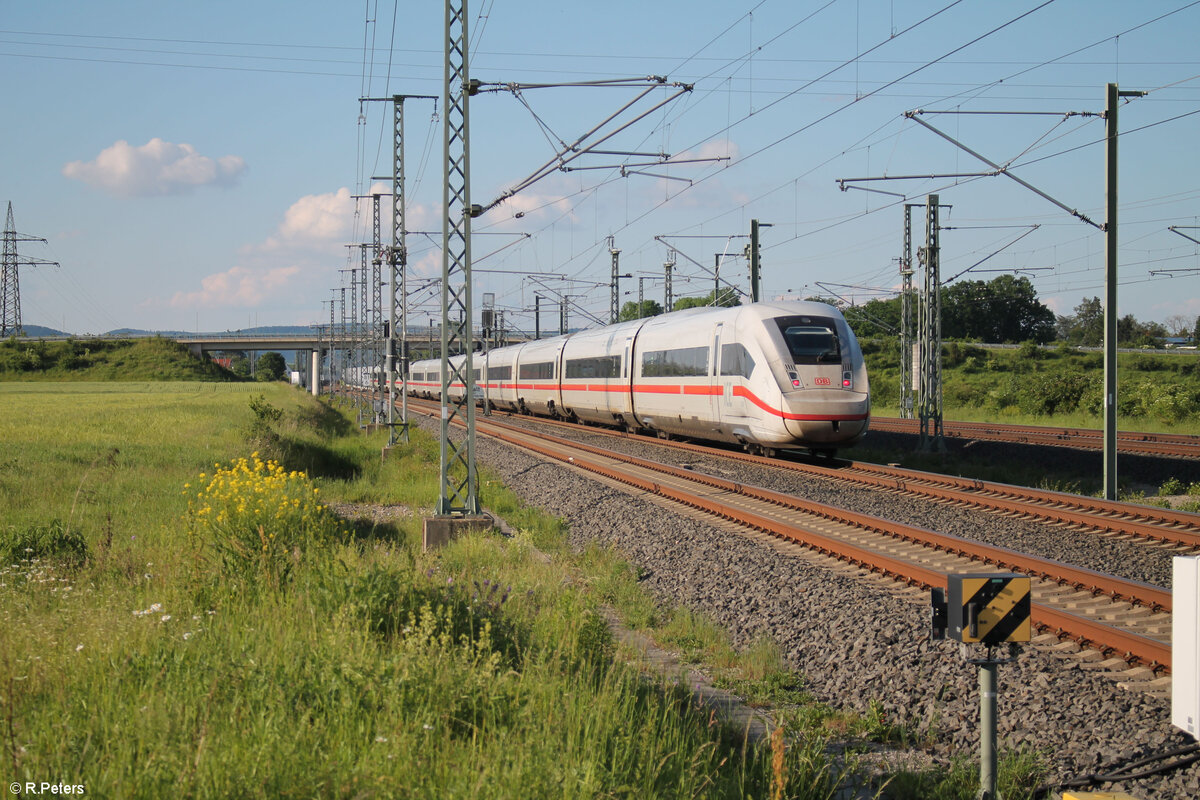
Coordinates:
<point>1166,402</point>
<point>258,519</point>
<point>1171,486</point>
<point>52,541</point>
<point>1060,395</point>
<point>1029,351</point>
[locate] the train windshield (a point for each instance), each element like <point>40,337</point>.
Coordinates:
<point>811,340</point>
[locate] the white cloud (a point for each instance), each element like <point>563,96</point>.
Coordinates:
<point>304,250</point>
<point>319,216</point>
<point>155,169</point>
<point>239,286</point>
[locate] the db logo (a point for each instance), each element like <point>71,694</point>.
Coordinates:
<point>822,382</point>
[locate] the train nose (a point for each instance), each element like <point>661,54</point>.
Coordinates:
<point>835,417</point>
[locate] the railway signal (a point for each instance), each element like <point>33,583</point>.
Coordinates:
<point>991,609</point>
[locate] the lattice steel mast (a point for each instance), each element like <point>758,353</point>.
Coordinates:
<point>458,494</point>
<point>376,327</point>
<point>929,327</point>
<point>906,318</point>
<point>398,292</point>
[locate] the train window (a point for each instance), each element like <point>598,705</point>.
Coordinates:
<point>600,367</point>
<point>683,362</point>
<point>543,370</point>
<point>475,375</point>
<point>735,360</point>
<point>811,340</point>
<point>416,376</point>
<point>499,373</point>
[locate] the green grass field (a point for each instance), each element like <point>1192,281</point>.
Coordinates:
<point>182,613</point>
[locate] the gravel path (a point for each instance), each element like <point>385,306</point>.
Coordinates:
<point>856,643</point>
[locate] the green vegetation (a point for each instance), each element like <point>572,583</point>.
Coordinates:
<point>1057,385</point>
<point>1017,776</point>
<point>270,367</point>
<point>181,615</point>
<point>149,359</point>
<point>1006,310</point>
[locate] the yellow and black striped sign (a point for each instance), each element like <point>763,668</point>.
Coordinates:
<point>989,608</point>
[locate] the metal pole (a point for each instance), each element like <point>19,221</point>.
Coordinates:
<point>1110,295</point>
<point>906,318</point>
<point>537,317</point>
<point>458,475</point>
<point>342,337</point>
<point>668,299</point>
<point>987,729</point>
<point>332,340</point>
<point>754,264</point>
<point>641,298</point>
<point>615,304</point>
<point>399,261</point>
<point>930,397</point>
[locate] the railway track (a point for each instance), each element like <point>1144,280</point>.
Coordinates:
<point>1126,619</point>
<point>1177,529</point>
<point>1169,445</point>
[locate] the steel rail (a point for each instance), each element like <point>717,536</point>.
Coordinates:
<point>1162,525</point>
<point>1136,592</point>
<point>1132,646</point>
<point>1134,443</point>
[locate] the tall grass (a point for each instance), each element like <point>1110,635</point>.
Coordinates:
<point>346,663</point>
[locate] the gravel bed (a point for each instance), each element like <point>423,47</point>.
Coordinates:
<point>1131,560</point>
<point>855,643</point>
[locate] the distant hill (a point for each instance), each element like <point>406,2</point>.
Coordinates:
<point>144,359</point>
<point>41,330</point>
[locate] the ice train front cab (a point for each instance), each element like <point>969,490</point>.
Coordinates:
<point>825,394</point>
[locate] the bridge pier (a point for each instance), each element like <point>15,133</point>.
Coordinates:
<point>314,372</point>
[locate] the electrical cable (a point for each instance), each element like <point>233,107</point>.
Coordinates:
<point>1114,773</point>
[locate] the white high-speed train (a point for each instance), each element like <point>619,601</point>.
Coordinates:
<point>768,375</point>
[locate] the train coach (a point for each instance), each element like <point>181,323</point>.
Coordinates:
<point>768,376</point>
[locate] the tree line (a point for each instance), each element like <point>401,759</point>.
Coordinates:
<point>1006,310</point>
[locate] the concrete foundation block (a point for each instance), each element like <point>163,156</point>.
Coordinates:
<point>440,531</point>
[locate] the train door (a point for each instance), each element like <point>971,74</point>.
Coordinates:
<point>718,402</point>
<point>623,401</point>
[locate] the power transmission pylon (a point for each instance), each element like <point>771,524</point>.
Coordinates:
<point>10,295</point>
<point>458,494</point>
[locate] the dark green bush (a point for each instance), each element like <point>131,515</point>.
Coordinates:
<point>54,541</point>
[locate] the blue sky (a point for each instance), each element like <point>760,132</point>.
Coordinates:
<point>192,166</point>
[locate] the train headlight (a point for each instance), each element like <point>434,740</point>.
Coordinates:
<point>795,383</point>
<point>847,380</point>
